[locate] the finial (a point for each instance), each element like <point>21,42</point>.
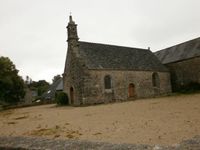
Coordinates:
<point>70,19</point>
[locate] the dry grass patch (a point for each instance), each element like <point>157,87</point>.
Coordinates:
<point>44,132</point>
<point>6,113</point>
<point>55,132</point>
<point>98,133</point>
<point>11,123</point>
<point>72,134</point>
<point>21,117</point>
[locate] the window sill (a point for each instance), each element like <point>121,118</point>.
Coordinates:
<point>108,91</point>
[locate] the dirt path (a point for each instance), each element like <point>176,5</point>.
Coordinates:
<point>167,120</point>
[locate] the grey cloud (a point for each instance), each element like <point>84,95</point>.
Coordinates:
<point>33,33</point>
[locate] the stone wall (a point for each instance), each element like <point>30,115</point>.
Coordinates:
<point>184,72</point>
<point>94,89</point>
<point>74,74</point>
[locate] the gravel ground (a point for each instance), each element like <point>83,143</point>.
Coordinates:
<point>29,143</point>
<point>163,121</point>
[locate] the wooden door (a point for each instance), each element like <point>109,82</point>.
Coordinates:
<point>131,90</point>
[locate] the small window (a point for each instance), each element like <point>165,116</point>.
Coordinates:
<point>107,82</point>
<point>155,80</point>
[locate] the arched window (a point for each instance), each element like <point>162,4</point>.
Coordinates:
<point>107,82</point>
<point>155,80</point>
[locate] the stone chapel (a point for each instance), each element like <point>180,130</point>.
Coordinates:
<point>101,73</point>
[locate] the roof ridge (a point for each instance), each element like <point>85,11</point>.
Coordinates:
<point>178,44</point>
<point>180,52</point>
<point>114,45</point>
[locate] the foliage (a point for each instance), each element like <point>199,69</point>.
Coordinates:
<point>41,86</point>
<point>62,98</point>
<point>28,80</point>
<point>56,78</point>
<point>11,84</point>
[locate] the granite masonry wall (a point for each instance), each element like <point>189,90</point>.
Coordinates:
<point>73,77</point>
<point>184,72</point>
<point>94,87</point>
<point>89,87</point>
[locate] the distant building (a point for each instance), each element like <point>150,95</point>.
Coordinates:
<point>183,61</point>
<point>30,96</point>
<point>100,73</point>
<point>54,87</point>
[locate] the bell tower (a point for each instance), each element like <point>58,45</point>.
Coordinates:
<point>72,31</point>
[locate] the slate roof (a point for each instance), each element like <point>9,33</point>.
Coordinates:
<point>60,85</point>
<point>180,52</point>
<point>56,86</point>
<point>101,56</point>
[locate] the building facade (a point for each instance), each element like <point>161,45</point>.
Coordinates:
<point>100,73</point>
<point>183,61</point>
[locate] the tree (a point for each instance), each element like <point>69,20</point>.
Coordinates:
<point>40,86</point>
<point>11,84</point>
<point>56,78</point>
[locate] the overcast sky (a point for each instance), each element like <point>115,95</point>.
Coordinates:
<point>33,32</point>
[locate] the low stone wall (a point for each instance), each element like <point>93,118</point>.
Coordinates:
<point>5,107</point>
<point>29,143</point>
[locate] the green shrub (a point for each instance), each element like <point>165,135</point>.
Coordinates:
<point>62,98</point>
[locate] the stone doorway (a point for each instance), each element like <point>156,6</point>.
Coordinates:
<point>72,95</point>
<point>131,91</point>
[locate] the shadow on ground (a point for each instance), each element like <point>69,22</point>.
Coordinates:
<point>29,143</point>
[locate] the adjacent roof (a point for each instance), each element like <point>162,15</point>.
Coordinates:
<point>101,56</point>
<point>180,52</point>
<point>56,86</point>
<point>60,85</point>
